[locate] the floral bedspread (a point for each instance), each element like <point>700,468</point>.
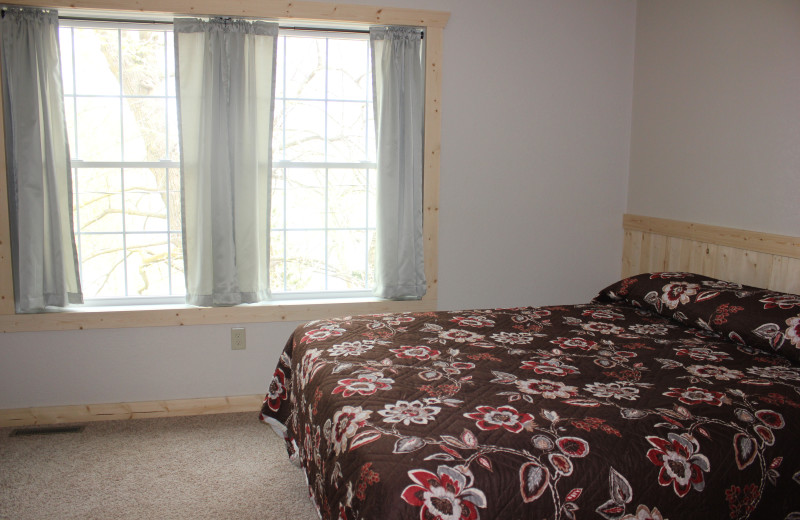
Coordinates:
<point>670,396</point>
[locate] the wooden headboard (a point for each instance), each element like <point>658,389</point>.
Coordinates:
<point>748,257</point>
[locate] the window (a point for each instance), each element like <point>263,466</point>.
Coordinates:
<point>119,91</point>
<point>119,97</point>
<point>363,16</point>
<point>323,215</point>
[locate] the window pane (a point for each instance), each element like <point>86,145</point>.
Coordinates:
<point>279,70</point>
<point>278,130</point>
<point>178,281</point>
<point>347,198</point>
<point>305,131</point>
<point>102,265</point>
<point>347,260</point>
<point>371,258</point>
<point>170,38</point>
<point>174,194</point>
<point>143,63</point>
<point>305,78</point>
<point>145,199</point>
<point>305,260</point>
<point>347,125</point>
<point>67,72</point>
<point>69,114</point>
<point>99,200</point>
<point>173,141</point>
<point>278,212</point>
<point>98,137</point>
<point>277,265</point>
<point>347,69</point>
<point>305,198</point>
<point>144,129</point>
<point>148,264</point>
<point>97,62</point>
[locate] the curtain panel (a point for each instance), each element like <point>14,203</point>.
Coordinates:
<point>399,94</point>
<point>44,255</point>
<point>226,86</point>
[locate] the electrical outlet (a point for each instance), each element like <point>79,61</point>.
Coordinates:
<point>238,338</point>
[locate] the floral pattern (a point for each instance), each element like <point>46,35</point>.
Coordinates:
<point>669,396</point>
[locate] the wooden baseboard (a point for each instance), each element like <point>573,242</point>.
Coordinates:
<point>139,410</point>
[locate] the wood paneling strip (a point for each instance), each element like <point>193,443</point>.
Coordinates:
<point>138,410</point>
<point>748,257</point>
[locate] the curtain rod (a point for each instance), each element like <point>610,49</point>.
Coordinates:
<point>165,22</point>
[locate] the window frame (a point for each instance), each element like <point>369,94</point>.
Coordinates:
<point>324,15</point>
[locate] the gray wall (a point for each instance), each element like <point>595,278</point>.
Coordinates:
<point>716,113</point>
<point>536,102</point>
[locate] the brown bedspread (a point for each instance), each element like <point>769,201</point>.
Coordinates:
<point>665,398</point>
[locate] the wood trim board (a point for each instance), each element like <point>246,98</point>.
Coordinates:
<point>748,257</point>
<point>48,415</point>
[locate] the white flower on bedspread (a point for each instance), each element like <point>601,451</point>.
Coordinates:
<point>309,366</point>
<point>776,372</point>
<point>793,332</point>
<point>513,338</point>
<point>615,390</point>
<point>644,513</point>
<point>546,388</point>
<point>365,384</point>
<point>405,412</point>
<point>420,352</point>
<point>703,354</point>
<point>345,424</point>
<point>678,293</point>
<point>489,418</point>
<point>460,336</point>
<point>649,328</point>
<point>552,367</point>
<point>716,371</point>
<point>351,348</point>
<point>473,321</point>
<point>322,333</point>
<point>446,495</point>
<point>602,328</point>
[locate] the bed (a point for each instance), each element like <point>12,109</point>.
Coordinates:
<point>671,395</point>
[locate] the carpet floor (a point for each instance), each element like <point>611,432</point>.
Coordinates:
<point>226,466</point>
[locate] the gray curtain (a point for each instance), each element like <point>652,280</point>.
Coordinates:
<point>226,87</point>
<point>38,163</point>
<point>399,91</point>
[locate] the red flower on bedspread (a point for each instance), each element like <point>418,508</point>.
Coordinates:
<point>446,495</point>
<point>783,301</point>
<point>277,390</point>
<point>742,501</point>
<point>695,395</point>
<point>489,418</point>
<point>420,352</point>
<point>581,343</point>
<point>681,465</point>
<point>367,384</point>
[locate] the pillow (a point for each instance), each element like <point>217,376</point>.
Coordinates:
<point>763,319</point>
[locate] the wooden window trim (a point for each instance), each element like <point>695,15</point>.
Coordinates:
<point>99,318</point>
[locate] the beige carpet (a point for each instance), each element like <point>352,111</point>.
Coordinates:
<point>226,466</point>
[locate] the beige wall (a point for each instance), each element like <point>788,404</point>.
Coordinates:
<point>536,103</point>
<point>716,113</point>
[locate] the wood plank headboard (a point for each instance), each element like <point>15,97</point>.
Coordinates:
<point>748,257</point>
